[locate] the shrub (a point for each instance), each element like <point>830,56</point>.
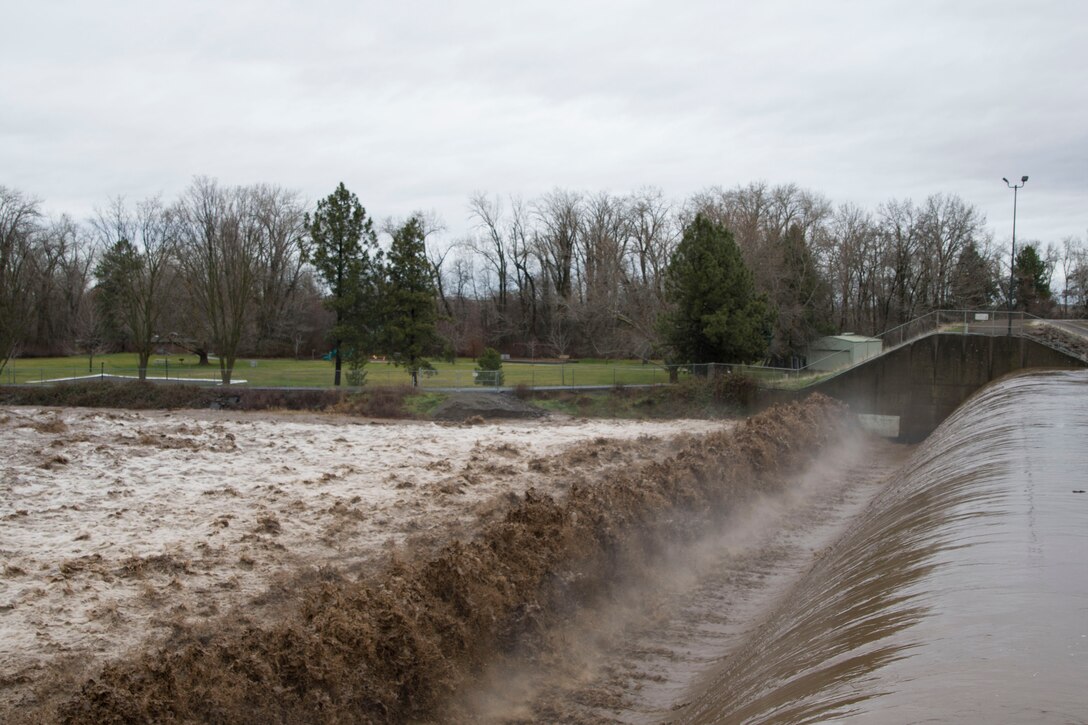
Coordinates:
<point>718,388</point>
<point>489,368</point>
<point>356,361</point>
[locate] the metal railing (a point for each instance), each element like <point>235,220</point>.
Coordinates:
<point>968,322</point>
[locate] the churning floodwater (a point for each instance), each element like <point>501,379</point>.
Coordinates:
<point>959,595</point>
<point>790,571</point>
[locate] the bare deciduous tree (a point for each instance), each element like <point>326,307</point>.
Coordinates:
<point>654,234</point>
<point>948,226</point>
<point>1074,263</point>
<point>137,271</point>
<point>19,219</point>
<point>559,213</point>
<point>222,252</point>
<point>280,216</point>
<point>494,248</point>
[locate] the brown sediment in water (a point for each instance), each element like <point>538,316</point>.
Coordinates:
<point>346,493</point>
<point>395,646</point>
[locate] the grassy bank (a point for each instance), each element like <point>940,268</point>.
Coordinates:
<point>693,397</point>
<point>400,401</point>
<point>281,372</point>
<point>724,396</point>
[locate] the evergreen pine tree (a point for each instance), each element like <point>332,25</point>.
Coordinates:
<point>1032,282</point>
<point>409,301</point>
<point>346,257</point>
<point>715,313</point>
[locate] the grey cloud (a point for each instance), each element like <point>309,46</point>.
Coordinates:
<point>417,105</point>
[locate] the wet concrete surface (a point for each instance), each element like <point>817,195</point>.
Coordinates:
<point>960,595</point>
<point>633,659</point>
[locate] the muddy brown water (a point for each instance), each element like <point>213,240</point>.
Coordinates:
<point>943,583</point>
<point>636,656</point>
<point>960,595</point>
<point>947,582</point>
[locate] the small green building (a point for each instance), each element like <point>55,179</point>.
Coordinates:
<point>840,351</point>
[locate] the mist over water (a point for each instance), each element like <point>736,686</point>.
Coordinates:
<point>960,595</point>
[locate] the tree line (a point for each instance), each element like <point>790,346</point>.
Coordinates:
<point>222,271</point>
<point>257,271</point>
<point>585,274</point>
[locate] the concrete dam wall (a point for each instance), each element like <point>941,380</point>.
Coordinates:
<point>910,390</point>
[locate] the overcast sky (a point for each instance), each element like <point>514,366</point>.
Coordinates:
<point>415,105</point>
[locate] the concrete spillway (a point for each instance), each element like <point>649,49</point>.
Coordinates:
<point>919,384</point>
<point>960,595</point>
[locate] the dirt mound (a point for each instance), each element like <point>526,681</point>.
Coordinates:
<point>394,647</point>
<point>465,406</point>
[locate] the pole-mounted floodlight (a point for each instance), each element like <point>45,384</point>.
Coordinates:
<point>1012,260</point>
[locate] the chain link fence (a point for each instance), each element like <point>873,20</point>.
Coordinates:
<point>277,373</point>
<point>514,374</point>
<point>260,373</point>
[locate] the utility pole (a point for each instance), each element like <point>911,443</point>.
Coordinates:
<point>1012,260</point>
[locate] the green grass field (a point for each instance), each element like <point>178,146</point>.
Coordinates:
<point>285,372</point>
<point>319,373</point>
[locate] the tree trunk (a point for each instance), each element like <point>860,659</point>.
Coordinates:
<point>144,360</point>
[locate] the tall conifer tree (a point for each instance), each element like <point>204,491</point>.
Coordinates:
<point>715,313</point>
<point>347,258</point>
<point>409,300</point>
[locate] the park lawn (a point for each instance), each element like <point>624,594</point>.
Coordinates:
<point>287,372</point>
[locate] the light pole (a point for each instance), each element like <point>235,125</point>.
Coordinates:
<point>1012,260</point>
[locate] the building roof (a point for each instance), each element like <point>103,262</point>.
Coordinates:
<point>851,337</point>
